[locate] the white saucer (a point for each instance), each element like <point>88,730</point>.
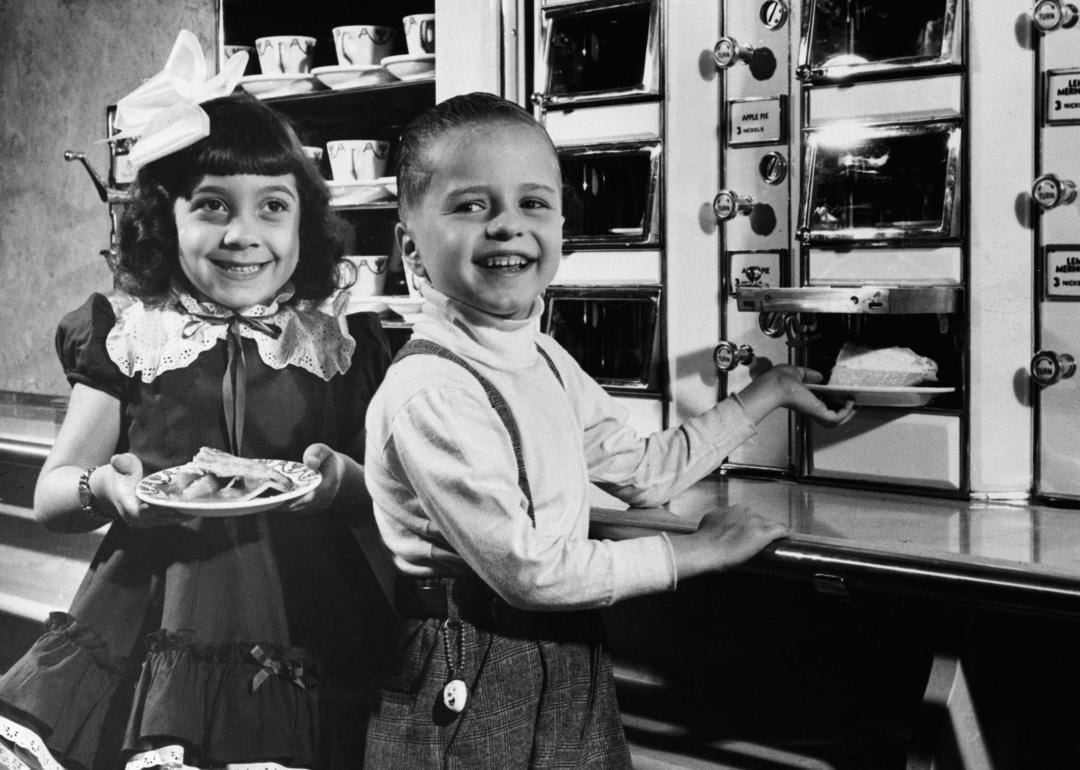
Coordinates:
<point>270,86</point>
<point>346,76</point>
<point>879,396</point>
<point>403,305</point>
<point>390,183</point>
<point>357,193</point>
<point>372,304</point>
<point>410,67</point>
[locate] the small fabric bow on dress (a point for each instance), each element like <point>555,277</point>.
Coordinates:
<point>163,114</point>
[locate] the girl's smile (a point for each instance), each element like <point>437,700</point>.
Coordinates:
<point>239,237</point>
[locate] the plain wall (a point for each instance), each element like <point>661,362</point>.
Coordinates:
<point>62,62</point>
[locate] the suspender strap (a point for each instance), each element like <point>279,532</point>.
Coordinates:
<point>498,403</point>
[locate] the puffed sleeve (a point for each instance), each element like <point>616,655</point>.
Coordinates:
<point>370,361</point>
<point>80,344</point>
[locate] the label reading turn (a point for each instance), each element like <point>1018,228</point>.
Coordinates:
<point>1063,273</point>
<point>755,121</point>
<point>1063,97</point>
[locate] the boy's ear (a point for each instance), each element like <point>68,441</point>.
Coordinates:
<point>410,253</point>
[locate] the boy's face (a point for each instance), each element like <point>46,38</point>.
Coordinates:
<point>488,231</point>
<point>239,237</point>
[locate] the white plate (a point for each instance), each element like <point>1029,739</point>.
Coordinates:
<point>410,67</point>
<point>404,305</point>
<point>346,76</point>
<point>373,304</point>
<point>305,479</point>
<point>879,396</point>
<point>357,193</point>
<point>271,86</point>
<point>390,183</point>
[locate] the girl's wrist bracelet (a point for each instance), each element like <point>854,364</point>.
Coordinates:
<point>88,501</point>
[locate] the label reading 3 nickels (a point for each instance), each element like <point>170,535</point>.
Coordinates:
<point>1063,272</point>
<point>1063,96</point>
<point>755,121</point>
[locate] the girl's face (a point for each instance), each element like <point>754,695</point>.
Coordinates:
<point>488,231</point>
<point>239,237</point>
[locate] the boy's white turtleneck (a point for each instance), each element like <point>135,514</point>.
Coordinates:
<point>442,472</point>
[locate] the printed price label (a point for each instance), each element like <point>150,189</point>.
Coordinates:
<point>1063,97</point>
<point>1063,272</point>
<point>755,121</point>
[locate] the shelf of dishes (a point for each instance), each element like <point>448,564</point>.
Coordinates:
<point>367,55</point>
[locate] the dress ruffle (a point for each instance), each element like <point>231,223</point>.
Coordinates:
<point>70,719</point>
<point>242,702</point>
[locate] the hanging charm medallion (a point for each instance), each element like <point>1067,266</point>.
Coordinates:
<point>455,694</point>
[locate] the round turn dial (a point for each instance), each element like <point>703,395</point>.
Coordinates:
<point>1049,15</point>
<point>728,355</point>
<point>1051,191</point>
<point>1048,367</point>
<point>728,204</point>
<point>728,51</point>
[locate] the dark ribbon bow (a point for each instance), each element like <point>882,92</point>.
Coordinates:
<point>234,383</point>
<point>292,670</point>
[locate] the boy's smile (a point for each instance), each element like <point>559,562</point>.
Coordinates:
<point>239,237</point>
<point>488,230</point>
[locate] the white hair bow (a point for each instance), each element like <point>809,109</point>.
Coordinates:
<point>164,113</point>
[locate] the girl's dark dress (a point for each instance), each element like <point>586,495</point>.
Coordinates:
<point>224,636</point>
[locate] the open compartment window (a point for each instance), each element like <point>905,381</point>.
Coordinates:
<point>611,331</point>
<point>848,38</point>
<point>611,195</point>
<point>896,182</point>
<point>598,51</point>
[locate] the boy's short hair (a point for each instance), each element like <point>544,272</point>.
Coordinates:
<point>246,137</point>
<point>477,108</point>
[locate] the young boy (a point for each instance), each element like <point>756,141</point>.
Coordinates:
<point>480,454</point>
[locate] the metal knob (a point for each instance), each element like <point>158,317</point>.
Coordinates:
<point>1050,191</point>
<point>728,51</point>
<point>728,204</point>
<point>728,355</point>
<point>1049,15</point>
<point>1048,367</point>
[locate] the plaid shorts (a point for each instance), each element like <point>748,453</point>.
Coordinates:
<point>535,700</point>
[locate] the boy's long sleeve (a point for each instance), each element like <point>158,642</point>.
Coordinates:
<point>443,477</point>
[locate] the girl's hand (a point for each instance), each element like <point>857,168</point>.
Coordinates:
<point>725,539</point>
<point>784,386</point>
<point>332,466</point>
<point>120,478</point>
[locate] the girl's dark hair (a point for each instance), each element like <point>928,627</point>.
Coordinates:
<point>246,137</point>
<point>478,108</point>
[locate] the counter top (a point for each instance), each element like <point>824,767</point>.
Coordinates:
<point>1020,557</point>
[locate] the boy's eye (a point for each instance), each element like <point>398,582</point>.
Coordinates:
<point>469,206</point>
<point>535,203</point>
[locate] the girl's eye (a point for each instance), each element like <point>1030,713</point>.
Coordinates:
<point>277,206</point>
<point>535,203</point>
<point>209,204</point>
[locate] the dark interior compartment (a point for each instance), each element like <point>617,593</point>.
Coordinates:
<point>938,337</point>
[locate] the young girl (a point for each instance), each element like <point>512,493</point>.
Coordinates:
<point>482,442</point>
<point>194,640</point>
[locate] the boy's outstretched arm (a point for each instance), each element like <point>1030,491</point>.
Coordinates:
<point>784,386</point>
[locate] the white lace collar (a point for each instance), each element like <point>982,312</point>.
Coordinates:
<point>153,339</point>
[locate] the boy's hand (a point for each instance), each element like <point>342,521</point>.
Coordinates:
<point>123,474</point>
<point>784,386</point>
<point>725,539</point>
